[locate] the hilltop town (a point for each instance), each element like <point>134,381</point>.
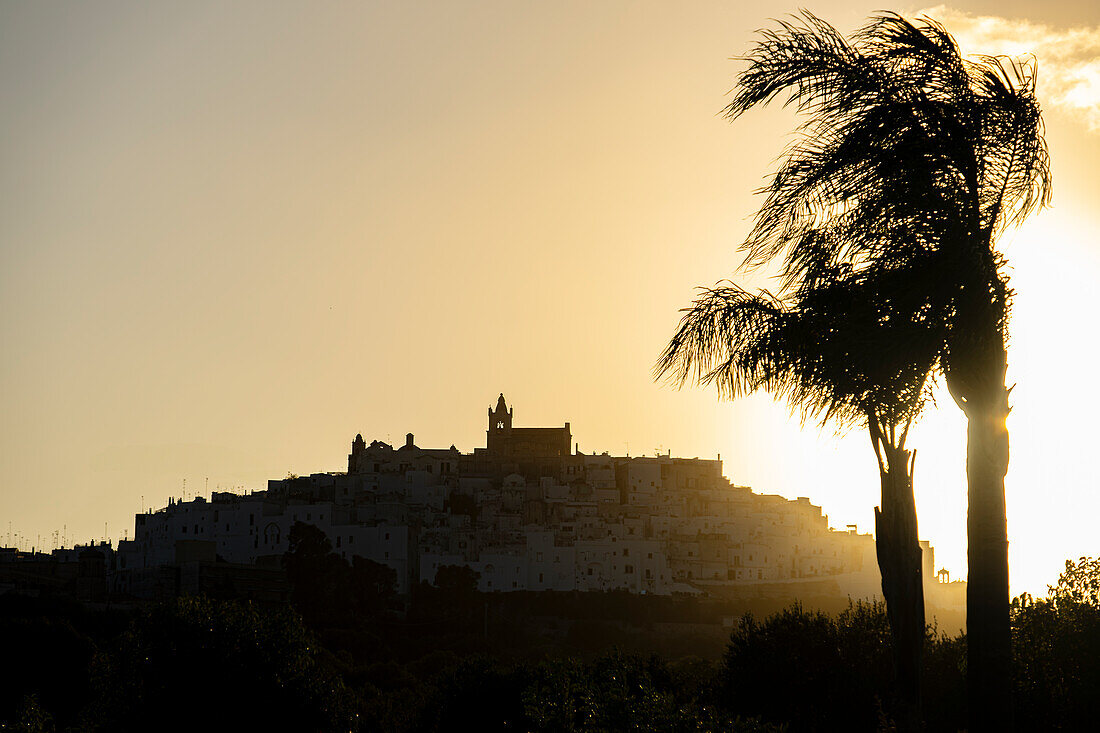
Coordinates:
<point>528,512</point>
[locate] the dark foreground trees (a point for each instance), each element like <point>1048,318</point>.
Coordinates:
<point>915,158</point>
<point>1056,652</point>
<point>784,668</point>
<point>197,664</point>
<point>328,590</point>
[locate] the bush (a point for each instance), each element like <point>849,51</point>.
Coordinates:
<point>1056,652</point>
<point>810,669</point>
<point>196,664</point>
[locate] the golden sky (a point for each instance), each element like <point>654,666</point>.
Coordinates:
<point>234,235</point>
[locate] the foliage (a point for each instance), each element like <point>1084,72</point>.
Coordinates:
<point>882,213</point>
<point>457,581</point>
<point>614,692</point>
<point>812,670</point>
<point>216,664</point>
<point>326,589</point>
<point>46,647</point>
<point>785,668</point>
<point>1079,583</point>
<point>1056,649</point>
<point>907,149</point>
<point>842,348</point>
<point>32,718</point>
<point>194,664</point>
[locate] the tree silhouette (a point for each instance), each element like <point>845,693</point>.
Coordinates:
<point>326,589</point>
<point>914,157</point>
<point>848,347</point>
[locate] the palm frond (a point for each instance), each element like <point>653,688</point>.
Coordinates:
<point>849,345</point>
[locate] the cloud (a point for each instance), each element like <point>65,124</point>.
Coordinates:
<point>1069,58</point>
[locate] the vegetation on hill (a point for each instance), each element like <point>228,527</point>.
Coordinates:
<point>197,663</point>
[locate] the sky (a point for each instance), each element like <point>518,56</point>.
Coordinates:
<point>232,236</point>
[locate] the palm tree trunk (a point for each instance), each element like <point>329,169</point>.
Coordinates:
<point>976,380</point>
<point>989,642</point>
<point>899,559</point>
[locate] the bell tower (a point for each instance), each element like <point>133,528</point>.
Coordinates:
<point>500,425</point>
<point>358,449</point>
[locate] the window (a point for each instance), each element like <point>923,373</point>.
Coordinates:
<point>387,535</point>
<point>651,556</point>
<point>185,529</point>
<point>538,557</point>
<point>629,569</point>
<point>626,552</point>
<point>540,577</point>
<point>648,574</point>
<point>337,540</point>
<point>387,556</point>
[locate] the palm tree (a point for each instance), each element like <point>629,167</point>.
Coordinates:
<point>844,347</point>
<point>914,157</point>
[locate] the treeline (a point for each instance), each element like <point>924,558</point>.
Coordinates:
<point>199,663</point>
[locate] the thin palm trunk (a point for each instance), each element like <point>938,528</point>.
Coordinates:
<point>978,386</point>
<point>989,652</point>
<point>899,559</point>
